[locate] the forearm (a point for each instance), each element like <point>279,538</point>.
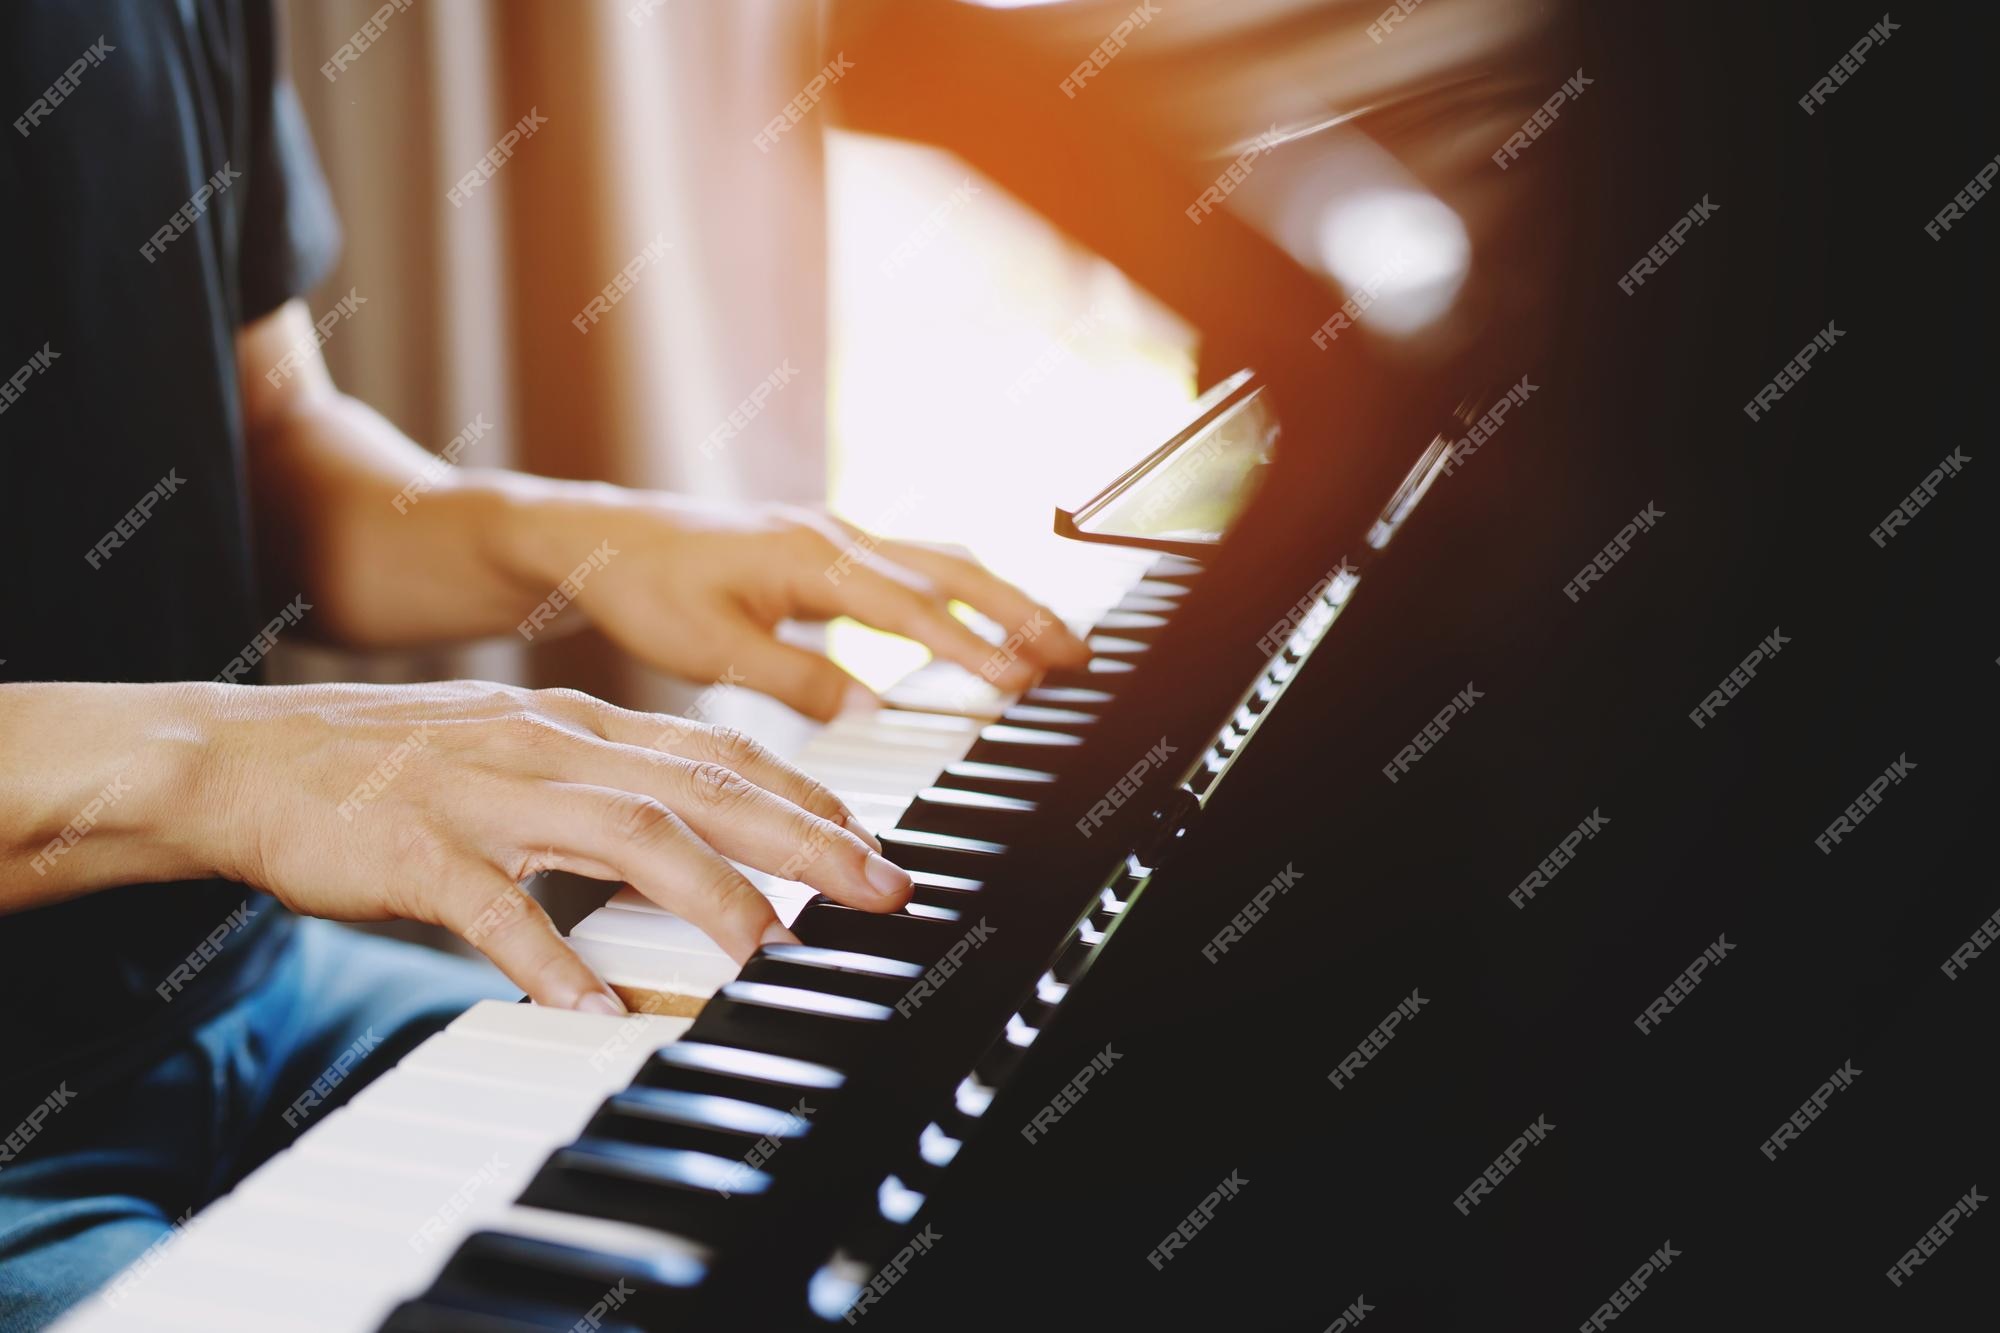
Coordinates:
<point>100,785</point>
<point>392,546</point>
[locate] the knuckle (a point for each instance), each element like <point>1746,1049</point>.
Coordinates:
<point>565,701</point>
<point>644,821</point>
<point>718,787</point>
<point>521,729</point>
<point>728,745</point>
<point>815,798</point>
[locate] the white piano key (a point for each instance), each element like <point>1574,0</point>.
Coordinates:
<point>356,1212</point>
<point>869,735</point>
<point>396,1196</point>
<point>200,1280</point>
<point>946,687</point>
<point>240,1226</point>
<point>683,972</point>
<point>779,891</point>
<point>874,734</point>
<point>521,1062</point>
<point>362,1135</point>
<point>646,925</point>
<point>859,767</point>
<point>178,1313</point>
<point>543,1026</point>
<point>853,768</point>
<point>848,775</point>
<point>448,1099</point>
<point>899,721</point>
<point>659,929</point>
<point>630,899</point>
<point>222,1283</point>
<point>876,812</point>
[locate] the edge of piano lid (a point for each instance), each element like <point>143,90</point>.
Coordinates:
<point>1117,162</point>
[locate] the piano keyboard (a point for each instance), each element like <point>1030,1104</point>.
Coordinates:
<point>527,1168</point>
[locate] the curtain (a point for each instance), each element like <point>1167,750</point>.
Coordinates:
<point>643,115</point>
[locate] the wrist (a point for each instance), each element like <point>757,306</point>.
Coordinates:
<point>113,783</point>
<point>533,531</point>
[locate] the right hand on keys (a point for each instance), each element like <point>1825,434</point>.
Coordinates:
<point>433,802</point>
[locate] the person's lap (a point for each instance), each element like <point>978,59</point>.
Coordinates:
<point>133,1160</point>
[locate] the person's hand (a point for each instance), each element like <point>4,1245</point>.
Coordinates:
<point>433,802</point>
<point>698,590</point>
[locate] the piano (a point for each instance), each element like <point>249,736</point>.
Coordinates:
<point>754,1147</point>
<point>527,1167</point>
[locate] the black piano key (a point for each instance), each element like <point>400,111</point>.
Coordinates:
<point>1140,604</point>
<point>805,955</point>
<point>1100,673</point>
<point>1028,740</point>
<point>973,814</point>
<point>1027,781</point>
<point>1067,696</point>
<point>1023,747</point>
<point>1133,624</point>
<point>932,889</point>
<point>1175,567</point>
<point>724,1071</point>
<point>696,1122</point>
<point>949,912</point>
<point>829,925</point>
<point>952,854</point>
<point>795,1021</point>
<point>792,965</point>
<point>697,1195</point>
<point>1046,717</point>
<point>528,1273</point>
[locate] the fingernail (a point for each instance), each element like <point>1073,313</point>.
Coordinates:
<point>775,933</point>
<point>888,880</point>
<point>860,831</point>
<point>599,1002</point>
<point>859,699</point>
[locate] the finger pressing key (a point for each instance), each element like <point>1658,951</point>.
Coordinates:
<point>623,835</point>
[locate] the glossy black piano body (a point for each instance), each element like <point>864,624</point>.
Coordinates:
<point>1222,1061</point>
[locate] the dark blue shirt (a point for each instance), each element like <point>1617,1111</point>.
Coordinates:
<point>158,191</point>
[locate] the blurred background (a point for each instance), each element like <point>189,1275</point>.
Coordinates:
<point>952,366</point>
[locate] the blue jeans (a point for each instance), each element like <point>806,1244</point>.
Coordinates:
<point>113,1171</point>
